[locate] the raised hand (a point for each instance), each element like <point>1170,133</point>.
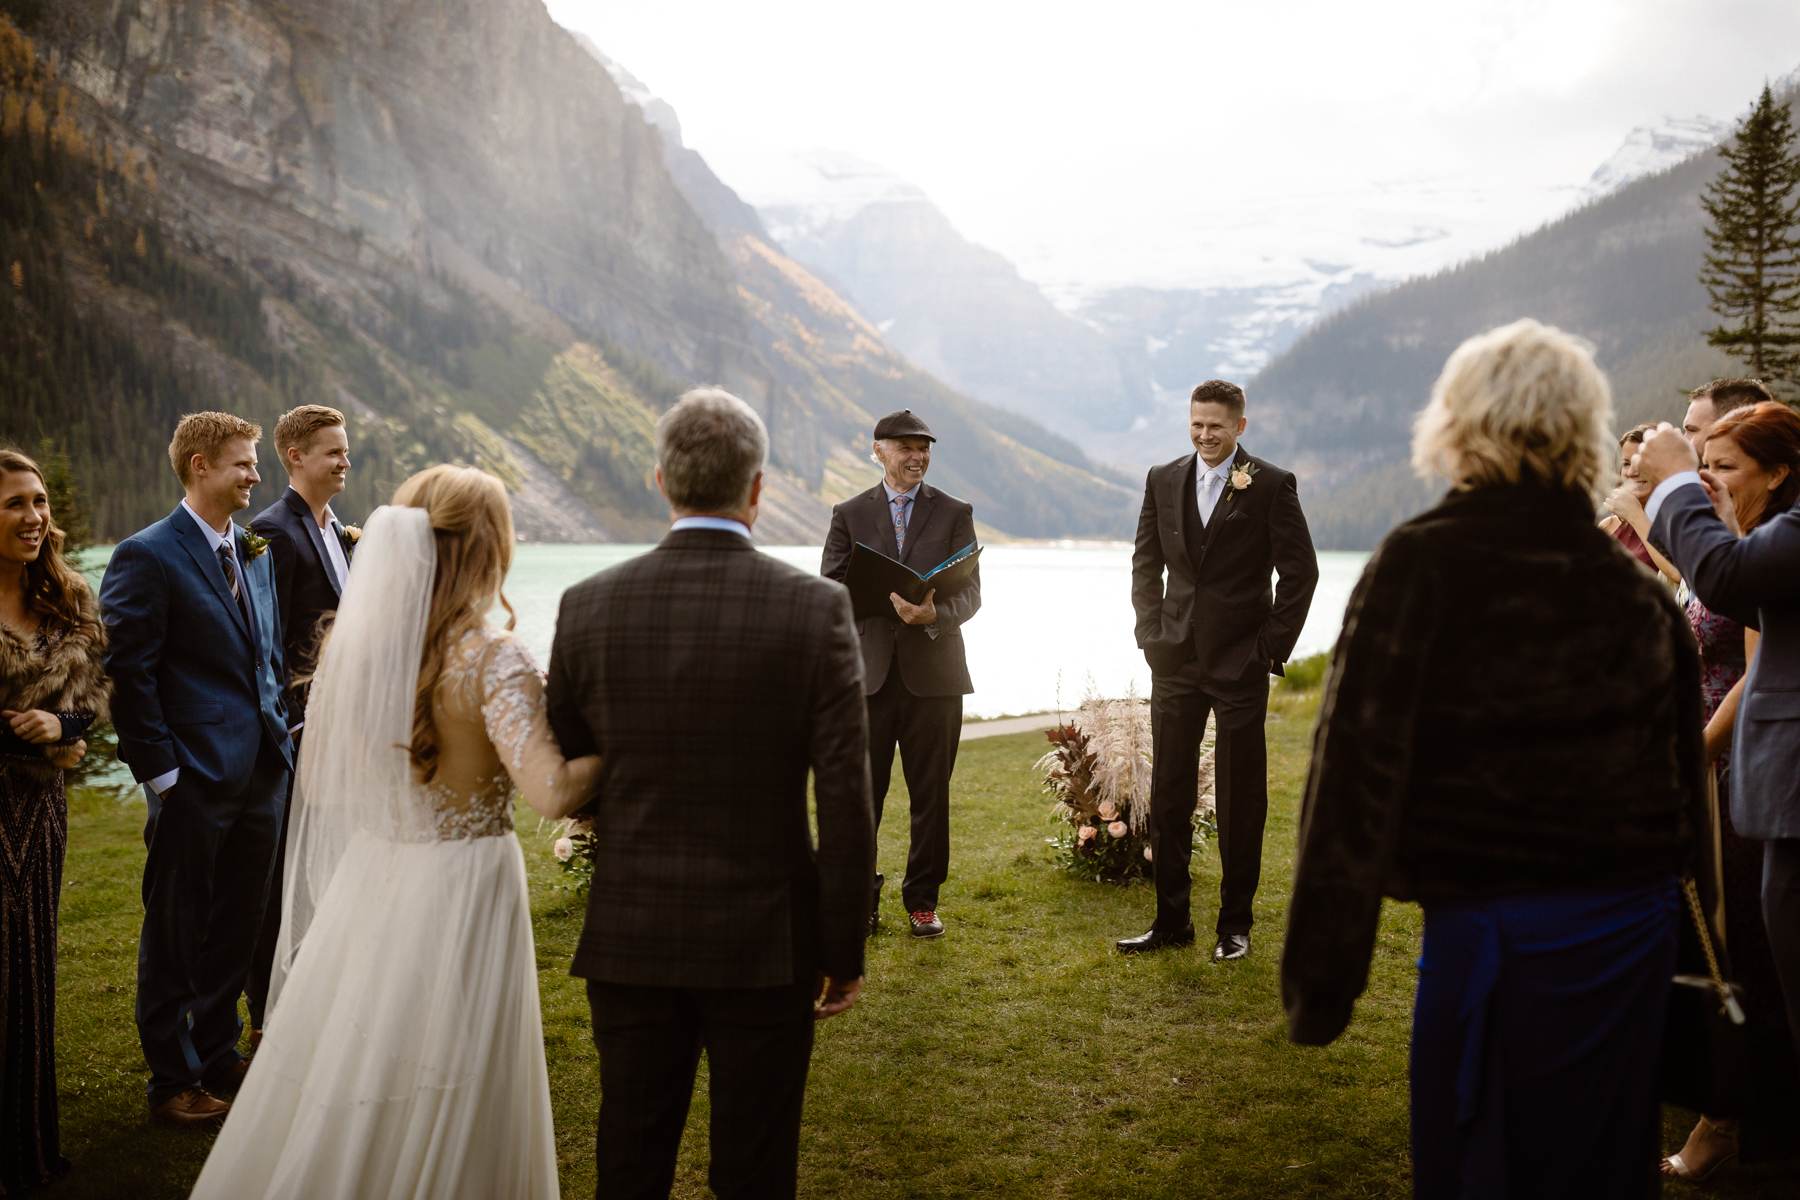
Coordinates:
<point>1720,495</point>
<point>1666,452</point>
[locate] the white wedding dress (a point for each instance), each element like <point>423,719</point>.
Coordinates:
<point>404,1050</point>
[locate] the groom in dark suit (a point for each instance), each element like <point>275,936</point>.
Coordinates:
<point>710,678</point>
<point>311,551</point>
<point>194,651</point>
<point>914,668</point>
<point>1214,526</point>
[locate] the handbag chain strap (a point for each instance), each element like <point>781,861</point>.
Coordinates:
<point>1727,1000</point>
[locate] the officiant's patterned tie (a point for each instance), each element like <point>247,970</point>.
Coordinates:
<point>900,503</point>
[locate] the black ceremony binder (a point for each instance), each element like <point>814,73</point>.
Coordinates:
<point>873,575</point>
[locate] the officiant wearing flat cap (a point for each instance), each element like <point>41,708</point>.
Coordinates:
<point>914,672</point>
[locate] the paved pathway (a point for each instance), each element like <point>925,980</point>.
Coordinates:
<point>984,729</point>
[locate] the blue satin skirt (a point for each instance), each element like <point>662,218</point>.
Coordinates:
<point>1537,1032</point>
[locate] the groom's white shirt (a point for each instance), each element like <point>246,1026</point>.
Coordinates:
<point>166,780</point>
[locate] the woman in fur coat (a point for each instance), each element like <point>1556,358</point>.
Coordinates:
<point>51,689</point>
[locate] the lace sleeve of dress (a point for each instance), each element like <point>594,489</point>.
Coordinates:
<point>518,723</point>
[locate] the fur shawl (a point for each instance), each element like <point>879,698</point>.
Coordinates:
<point>70,678</point>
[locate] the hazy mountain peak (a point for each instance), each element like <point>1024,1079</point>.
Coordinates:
<point>1652,148</point>
<point>659,112</point>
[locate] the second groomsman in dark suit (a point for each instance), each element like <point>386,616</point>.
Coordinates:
<point>914,669</point>
<point>311,552</point>
<point>194,651</point>
<point>710,678</point>
<point>1215,525</point>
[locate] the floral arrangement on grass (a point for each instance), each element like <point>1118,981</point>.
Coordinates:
<point>574,848</point>
<point>1098,774</point>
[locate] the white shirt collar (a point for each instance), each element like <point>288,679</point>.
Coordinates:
<point>726,524</point>
<point>213,536</point>
<point>1222,470</point>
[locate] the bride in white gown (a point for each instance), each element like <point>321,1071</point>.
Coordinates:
<point>404,1051</point>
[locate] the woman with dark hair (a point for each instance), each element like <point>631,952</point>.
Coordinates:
<point>1754,453</point>
<point>1510,737</point>
<point>52,687</point>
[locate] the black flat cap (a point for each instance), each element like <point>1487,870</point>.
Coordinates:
<point>902,424</point>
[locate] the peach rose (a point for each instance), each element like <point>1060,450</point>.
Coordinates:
<point>1109,811</point>
<point>1087,833</point>
<point>564,849</point>
<point>1118,829</point>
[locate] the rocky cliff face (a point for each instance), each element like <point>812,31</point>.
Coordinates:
<point>448,220</point>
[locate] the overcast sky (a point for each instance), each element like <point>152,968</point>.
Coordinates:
<point>1100,142</point>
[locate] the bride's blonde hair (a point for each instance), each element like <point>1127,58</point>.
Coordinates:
<point>471,521</point>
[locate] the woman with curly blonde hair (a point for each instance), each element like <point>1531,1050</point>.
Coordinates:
<point>52,687</point>
<point>1510,736</point>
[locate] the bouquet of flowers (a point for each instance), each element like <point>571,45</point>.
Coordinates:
<point>1097,773</point>
<point>574,848</point>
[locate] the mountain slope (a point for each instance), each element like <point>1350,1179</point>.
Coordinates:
<point>443,218</point>
<point>1620,271</point>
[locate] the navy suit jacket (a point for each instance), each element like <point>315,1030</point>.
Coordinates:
<point>194,687</point>
<point>305,587</point>
<point>1754,580</point>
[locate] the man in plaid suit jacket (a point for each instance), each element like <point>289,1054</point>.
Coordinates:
<point>709,678</point>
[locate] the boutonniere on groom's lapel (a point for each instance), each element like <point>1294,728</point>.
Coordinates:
<point>254,545</point>
<point>352,534</point>
<point>1239,480</point>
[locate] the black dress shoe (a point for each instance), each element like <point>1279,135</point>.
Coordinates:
<point>1231,947</point>
<point>1156,939</point>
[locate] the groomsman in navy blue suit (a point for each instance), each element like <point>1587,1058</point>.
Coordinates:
<point>194,651</point>
<point>311,551</point>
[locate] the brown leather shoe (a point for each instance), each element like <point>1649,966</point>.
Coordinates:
<point>192,1107</point>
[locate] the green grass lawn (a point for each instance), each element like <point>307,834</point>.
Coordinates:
<point>1019,1055</point>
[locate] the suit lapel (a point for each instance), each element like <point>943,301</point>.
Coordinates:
<point>921,516</point>
<point>253,573</point>
<point>1178,498</point>
<point>297,506</point>
<point>1229,503</point>
<point>201,551</point>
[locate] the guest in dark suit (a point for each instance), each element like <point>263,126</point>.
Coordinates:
<point>1510,736</point>
<point>1755,580</point>
<point>914,670</point>
<point>1216,523</point>
<point>311,552</point>
<point>194,651</point>
<point>709,678</point>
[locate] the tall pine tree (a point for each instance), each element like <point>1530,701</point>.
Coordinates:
<point>1752,267</point>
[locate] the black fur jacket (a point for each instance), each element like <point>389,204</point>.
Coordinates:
<point>1513,708</point>
<point>60,673</point>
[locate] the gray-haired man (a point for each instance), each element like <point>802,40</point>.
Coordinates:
<point>710,678</point>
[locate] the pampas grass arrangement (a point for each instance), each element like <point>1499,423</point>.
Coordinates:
<point>1097,773</point>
